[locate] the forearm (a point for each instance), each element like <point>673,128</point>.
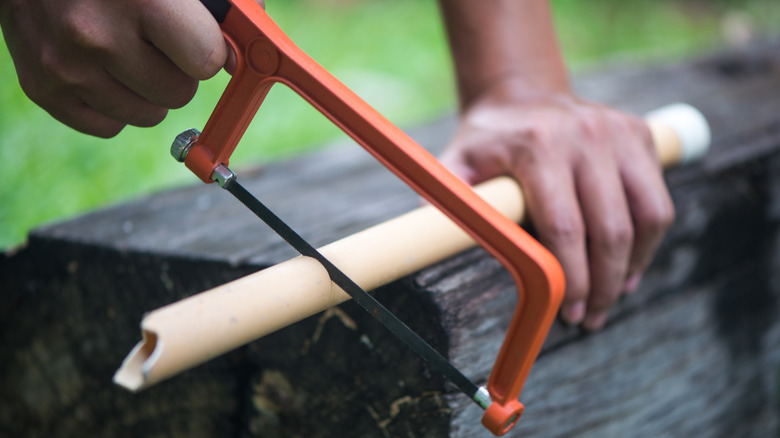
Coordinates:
<point>503,43</point>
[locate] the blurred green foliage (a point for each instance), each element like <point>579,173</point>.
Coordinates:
<point>393,53</point>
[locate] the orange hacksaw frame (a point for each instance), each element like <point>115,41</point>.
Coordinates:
<point>264,56</point>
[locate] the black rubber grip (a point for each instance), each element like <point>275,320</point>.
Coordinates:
<point>218,8</point>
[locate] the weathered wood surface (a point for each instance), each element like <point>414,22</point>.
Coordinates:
<point>696,352</point>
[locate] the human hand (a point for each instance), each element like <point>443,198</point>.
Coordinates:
<point>591,180</point>
<point>98,66</point>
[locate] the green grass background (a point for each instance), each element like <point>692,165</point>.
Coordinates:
<point>391,52</point>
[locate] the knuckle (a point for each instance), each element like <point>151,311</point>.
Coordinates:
<point>535,130</point>
<point>667,216</point>
<point>577,290</point>
<point>83,119</point>
<point>602,301</point>
<point>107,130</point>
<point>51,61</point>
<point>602,126</point>
<point>211,63</point>
<point>529,144</point>
<point>615,237</point>
<point>656,220</point>
<point>637,128</point>
<point>32,87</point>
<point>59,70</point>
<point>538,133</point>
<point>81,29</point>
<point>183,94</point>
<point>174,92</point>
<point>565,230</point>
<point>590,125</point>
<point>149,117</point>
<point>618,120</point>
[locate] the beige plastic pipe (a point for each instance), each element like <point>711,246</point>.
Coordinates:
<point>191,331</point>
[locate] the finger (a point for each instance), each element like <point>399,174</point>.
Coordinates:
<point>98,90</point>
<point>555,213</point>
<point>232,61</point>
<point>455,161</point>
<point>609,229</point>
<point>652,210</point>
<point>116,101</point>
<point>149,73</point>
<point>467,165</point>
<point>73,90</point>
<point>188,34</point>
<point>83,118</point>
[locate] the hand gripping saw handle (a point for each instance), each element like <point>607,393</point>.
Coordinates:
<point>264,56</point>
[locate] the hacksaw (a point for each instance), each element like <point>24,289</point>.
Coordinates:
<point>265,56</point>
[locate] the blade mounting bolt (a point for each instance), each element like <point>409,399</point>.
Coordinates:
<point>183,143</point>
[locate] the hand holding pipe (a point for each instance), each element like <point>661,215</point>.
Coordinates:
<point>264,56</point>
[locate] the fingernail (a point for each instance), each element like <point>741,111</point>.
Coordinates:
<point>574,313</point>
<point>632,283</point>
<point>595,321</point>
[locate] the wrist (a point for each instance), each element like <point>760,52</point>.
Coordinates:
<point>521,88</point>
<point>504,44</point>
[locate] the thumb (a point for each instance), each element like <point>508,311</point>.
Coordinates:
<point>455,162</point>
<point>230,63</point>
<point>187,34</point>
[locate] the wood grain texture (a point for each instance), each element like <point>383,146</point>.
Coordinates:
<point>693,353</point>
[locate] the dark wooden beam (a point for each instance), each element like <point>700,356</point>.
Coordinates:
<point>694,352</point>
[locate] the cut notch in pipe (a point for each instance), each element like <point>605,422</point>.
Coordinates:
<point>135,369</point>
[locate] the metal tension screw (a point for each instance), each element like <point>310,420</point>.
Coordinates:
<point>482,397</point>
<point>223,176</point>
<point>183,143</point>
